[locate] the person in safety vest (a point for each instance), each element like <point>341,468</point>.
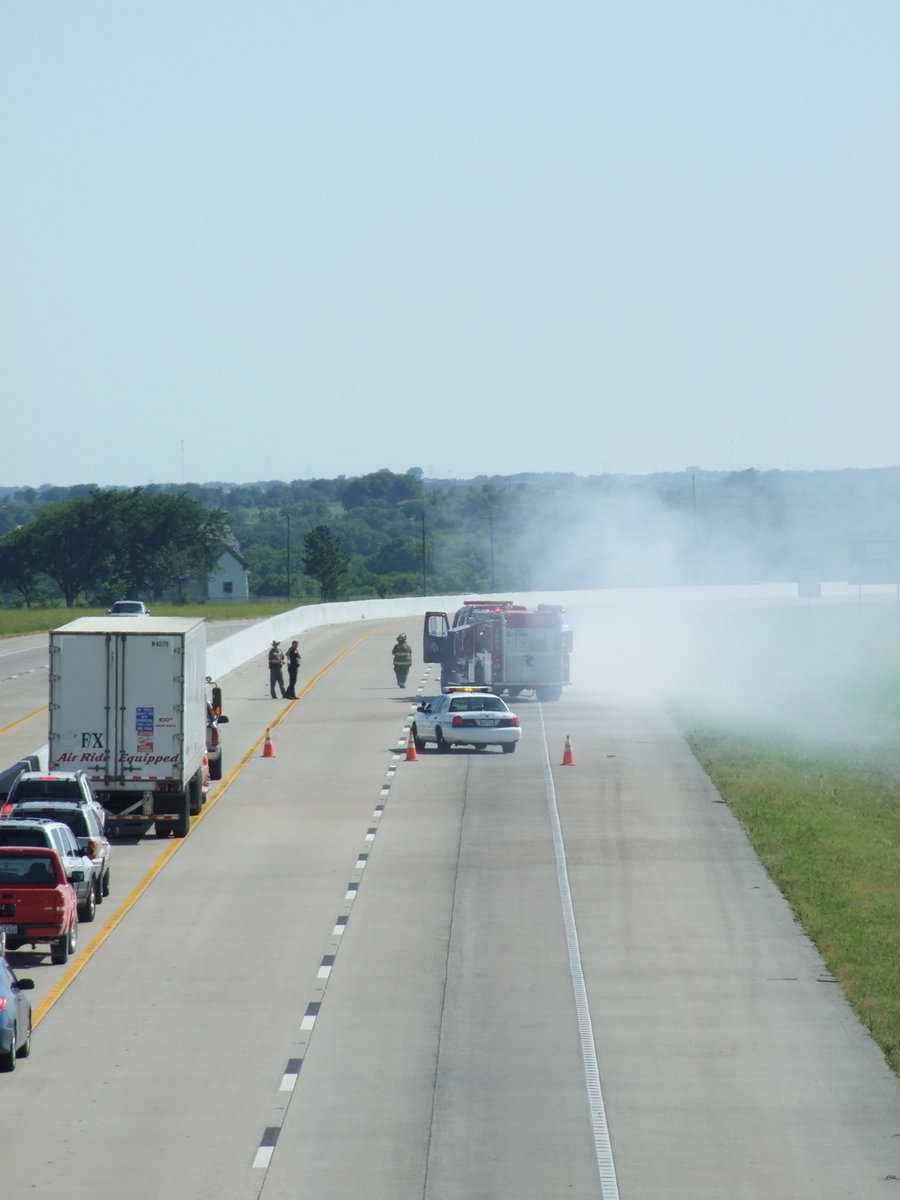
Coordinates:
<point>402,655</point>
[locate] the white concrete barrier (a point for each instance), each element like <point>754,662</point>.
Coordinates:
<point>232,652</point>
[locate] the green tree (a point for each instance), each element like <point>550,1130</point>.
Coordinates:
<point>325,560</point>
<point>72,541</point>
<point>164,540</point>
<point>20,570</point>
<point>147,542</point>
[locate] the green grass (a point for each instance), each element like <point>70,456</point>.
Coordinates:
<point>823,814</point>
<point>14,622</point>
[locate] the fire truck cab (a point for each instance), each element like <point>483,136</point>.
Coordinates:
<point>506,646</point>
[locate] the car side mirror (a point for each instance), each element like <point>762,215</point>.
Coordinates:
<point>222,720</point>
<point>24,985</point>
<point>76,877</point>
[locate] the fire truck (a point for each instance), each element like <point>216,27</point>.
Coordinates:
<point>507,646</point>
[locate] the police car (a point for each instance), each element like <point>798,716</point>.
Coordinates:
<point>466,716</point>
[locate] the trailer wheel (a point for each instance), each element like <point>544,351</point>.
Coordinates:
<point>195,794</point>
<point>183,823</point>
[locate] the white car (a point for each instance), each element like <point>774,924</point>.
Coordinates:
<point>466,716</point>
<point>128,608</point>
<point>55,835</point>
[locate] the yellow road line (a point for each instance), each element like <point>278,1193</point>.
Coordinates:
<point>37,712</point>
<point>75,969</point>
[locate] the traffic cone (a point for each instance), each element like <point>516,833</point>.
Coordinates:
<point>268,748</point>
<point>568,756</point>
<point>411,755</point>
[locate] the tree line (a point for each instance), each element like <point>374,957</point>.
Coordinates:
<point>400,534</point>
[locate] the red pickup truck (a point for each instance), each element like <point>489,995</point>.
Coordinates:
<point>37,901</point>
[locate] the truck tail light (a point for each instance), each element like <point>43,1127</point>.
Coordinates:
<point>91,849</point>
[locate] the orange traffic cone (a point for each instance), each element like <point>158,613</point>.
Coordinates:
<point>568,756</point>
<point>268,748</point>
<point>411,755</point>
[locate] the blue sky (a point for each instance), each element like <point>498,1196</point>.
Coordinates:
<point>282,240</point>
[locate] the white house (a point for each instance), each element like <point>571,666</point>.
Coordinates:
<point>229,579</point>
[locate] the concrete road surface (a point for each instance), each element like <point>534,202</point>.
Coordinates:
<point>473,975</point>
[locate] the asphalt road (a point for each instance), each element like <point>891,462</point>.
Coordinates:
<point>473,975</point>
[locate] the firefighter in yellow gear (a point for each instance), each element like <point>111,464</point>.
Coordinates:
<point>402,655</point>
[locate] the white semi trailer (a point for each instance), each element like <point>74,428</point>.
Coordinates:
<point>128,707</point>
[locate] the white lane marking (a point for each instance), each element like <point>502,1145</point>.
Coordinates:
<point>291,1075</point>
<point>266,1147</point>
<point>609,1187</point>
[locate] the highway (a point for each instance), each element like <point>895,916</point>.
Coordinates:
<point>473,975</point>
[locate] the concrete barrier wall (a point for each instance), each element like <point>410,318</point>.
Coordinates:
<point>232,652</point>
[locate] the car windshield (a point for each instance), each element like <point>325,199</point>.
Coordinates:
<point>27,869</point>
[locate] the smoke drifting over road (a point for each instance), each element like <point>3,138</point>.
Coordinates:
<point>758,658</point>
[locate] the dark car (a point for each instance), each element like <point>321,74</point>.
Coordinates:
<point>15,1017</point>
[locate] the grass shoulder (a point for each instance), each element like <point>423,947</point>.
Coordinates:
<point>18,622</point>
<point>826,826</point>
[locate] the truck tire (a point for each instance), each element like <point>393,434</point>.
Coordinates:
<point>162,828</point>
<point>195,794</point>
<point>215,769</point>
<point>183,822</point>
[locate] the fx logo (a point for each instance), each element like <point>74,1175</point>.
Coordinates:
<point>91,741</point>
